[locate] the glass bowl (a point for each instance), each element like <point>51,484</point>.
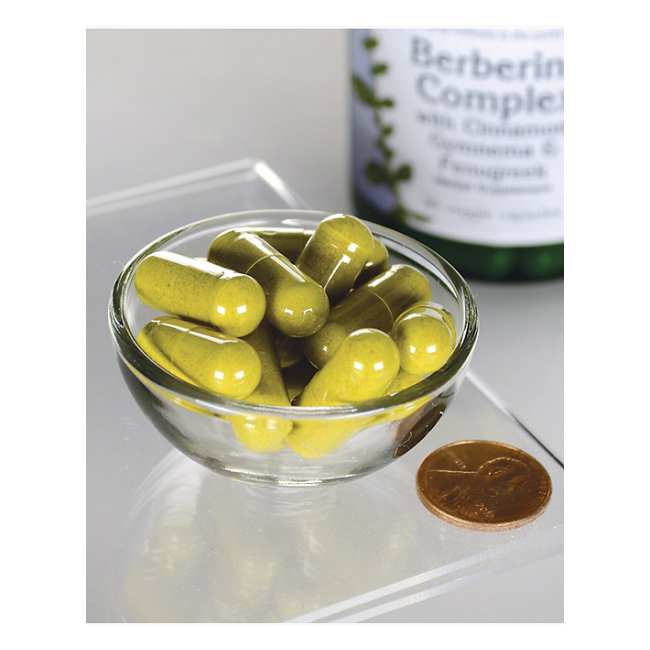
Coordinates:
<point>200,423</point>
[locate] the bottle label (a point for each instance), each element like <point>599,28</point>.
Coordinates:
<point>460,132</point>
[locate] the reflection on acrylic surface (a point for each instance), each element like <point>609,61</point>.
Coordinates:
<point>200,547</point>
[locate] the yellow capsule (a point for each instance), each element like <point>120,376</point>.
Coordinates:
<point>363,367</point>
<point>202,356</point>
<point>290,241</point>
<point>287,240</point>
<point>271,389</point>
<point>446,316</point>
<point>200,291</point>
<point>402,411</point>
<point>336,253</point>
<point>297,377</point>
<point>402,381</point>
<point>257,432</point>
<point>423,338</point>
<point>295,304</point>
<point>315,439</point>
<point>376,304</point>
<point>289,348</point>
<point>378,262</point>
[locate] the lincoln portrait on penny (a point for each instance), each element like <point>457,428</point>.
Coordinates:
<point>493,490</point>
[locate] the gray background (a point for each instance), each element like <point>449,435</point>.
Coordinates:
<point>166,102</point>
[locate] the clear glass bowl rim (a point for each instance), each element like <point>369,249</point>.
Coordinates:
<point>139,363</point>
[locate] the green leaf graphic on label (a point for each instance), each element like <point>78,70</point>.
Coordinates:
<point>403,173</point>
<point>383,173</point>
<point>376,173</point>
<point>364,93</point>
<point>370,43</point>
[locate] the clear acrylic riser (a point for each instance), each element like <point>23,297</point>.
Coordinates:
<point>170,541</point>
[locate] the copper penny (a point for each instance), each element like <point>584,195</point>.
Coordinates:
<point>483,485</point>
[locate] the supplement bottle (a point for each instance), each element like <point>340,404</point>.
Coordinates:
<point>458,142</point>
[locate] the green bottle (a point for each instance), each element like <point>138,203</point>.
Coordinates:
<point>458,141</point>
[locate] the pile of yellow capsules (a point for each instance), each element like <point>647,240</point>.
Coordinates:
<point>289,317</point>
